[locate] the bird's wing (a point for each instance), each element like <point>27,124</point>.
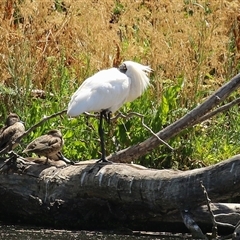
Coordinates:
<point>107,89</point>
<point>43,143</point>
<point>7,135</point>
<point>38,143</point>
<point>55,143</point>
<point>10,134</point>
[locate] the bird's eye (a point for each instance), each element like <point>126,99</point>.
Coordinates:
<point>123,68</point>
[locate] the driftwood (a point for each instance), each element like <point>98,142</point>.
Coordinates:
<point>90,195</point>
<point>195,116</point>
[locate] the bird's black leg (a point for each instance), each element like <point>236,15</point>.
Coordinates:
<point>107,115</point>
<point>101,135</point>
<point>63,158</point>
<point>103,114</point>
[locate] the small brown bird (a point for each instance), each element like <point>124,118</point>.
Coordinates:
<point>46,145</point>
<point>13,128</point>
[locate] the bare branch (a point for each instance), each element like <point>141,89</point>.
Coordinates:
<point>129,115</point>
<point>213,216</point>
<point>218,110</point>
<point>208,201</point>
<point>134,152</point>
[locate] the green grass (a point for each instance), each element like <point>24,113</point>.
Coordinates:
<point>206,143</point>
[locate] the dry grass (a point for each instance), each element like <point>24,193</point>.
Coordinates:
<point>199,41</point>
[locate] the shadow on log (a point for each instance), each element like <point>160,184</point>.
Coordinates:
<point>104,196</point>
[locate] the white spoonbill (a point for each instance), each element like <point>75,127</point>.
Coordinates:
<point>107,90</point>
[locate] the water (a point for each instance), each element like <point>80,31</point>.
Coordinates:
<point>12,232</point>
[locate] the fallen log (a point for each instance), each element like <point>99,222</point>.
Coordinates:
<point>87,195</point>
<point>91,195</point>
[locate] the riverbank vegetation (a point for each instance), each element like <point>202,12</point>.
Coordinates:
<point>193,47</point>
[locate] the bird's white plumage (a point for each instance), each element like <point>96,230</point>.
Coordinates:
<point>100,92</point>
<point>137,73</point>
<point>109,89</point>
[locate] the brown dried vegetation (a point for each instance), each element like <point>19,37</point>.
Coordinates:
<point>177,38</point>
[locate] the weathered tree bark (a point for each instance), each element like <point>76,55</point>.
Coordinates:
<point>190,119</point>
<point>91,196</point>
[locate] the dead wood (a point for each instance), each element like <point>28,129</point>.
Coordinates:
<point>190,119</point>
<point>89,195</point>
